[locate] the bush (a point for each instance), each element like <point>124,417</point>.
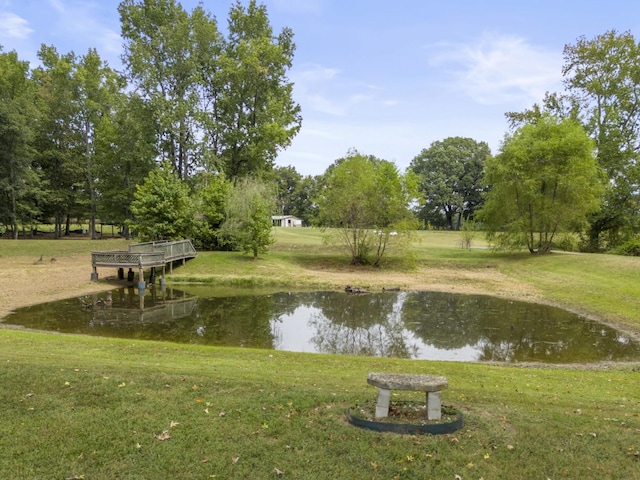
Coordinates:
<point>567,243</point>
<point>630,248</point>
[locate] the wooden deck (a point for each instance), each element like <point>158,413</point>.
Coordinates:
<point>144,255</point>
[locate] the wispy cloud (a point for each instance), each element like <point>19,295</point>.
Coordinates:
<point>326,90</point>
<point>82,19</point>
<point>13,27</point>
<point>499,69</point>
<point>57,5</point>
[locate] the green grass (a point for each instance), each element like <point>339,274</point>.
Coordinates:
<point>58,248</point>
<point>77,407</point>
<point>96,408</point>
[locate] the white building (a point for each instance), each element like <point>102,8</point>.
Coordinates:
<point>286,221</point>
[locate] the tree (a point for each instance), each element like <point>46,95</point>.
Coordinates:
<point>247,225</point>
<point>161,64</point>
<point>255,115</point>
<point>163,208</point>
<point>213,192</point>
<point>224,104</point>
<point>366,201</point>
<point>450,173</point>
<point>125,154</point>
<point>545,180</point>
<point>287,180</point>
<point>20,182</point>
<point>59,138</point>
<point>98,86</point>
<point>603,75</point>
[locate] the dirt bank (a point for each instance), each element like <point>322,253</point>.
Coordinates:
<point>25,282</point>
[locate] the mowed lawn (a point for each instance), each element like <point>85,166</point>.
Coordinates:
<point>98,408</point>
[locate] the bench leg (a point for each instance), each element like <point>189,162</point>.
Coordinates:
<point>382,407</point>
<point>434,406</point>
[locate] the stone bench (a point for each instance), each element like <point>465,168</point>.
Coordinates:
<point>431,384</point>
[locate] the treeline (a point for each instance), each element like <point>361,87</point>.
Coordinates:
<point>77,137</point>
<point>183,142</point>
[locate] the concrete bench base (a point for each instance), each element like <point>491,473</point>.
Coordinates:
<point>431,384</point>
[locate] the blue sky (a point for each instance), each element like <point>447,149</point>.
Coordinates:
<point>387,78</point>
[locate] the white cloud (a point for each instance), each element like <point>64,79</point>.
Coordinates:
<point>325,90</point>
<point>57,5</point>
<point>14,27</point>
<point>499,69</point>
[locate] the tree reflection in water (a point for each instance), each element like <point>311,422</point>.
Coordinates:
<point>426,325</point>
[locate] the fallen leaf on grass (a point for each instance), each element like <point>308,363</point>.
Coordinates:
<point>173,424</point>
<point>164,435</point>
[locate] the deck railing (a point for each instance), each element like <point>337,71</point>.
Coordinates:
<point>171,250</point>
<point>126,259</point>
<point>148,254</point>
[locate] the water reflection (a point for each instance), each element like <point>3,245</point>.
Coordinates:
<point>425,325</point>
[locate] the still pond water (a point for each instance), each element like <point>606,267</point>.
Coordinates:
<point>419,325</point>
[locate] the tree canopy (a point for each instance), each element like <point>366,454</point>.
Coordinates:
<point>222,103</point>
<point>21,186</point>
<point>366,200</point>
<point>450,173</point>
<point>544,181</point>
<point>247,224</point>
<point>603,75</point>
<point>603,93</point>
<point>163,208</point>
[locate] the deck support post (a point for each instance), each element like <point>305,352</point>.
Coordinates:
<point>141,283</point>
<point>163,282</point>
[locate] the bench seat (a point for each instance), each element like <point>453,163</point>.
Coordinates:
<point>431,384</point>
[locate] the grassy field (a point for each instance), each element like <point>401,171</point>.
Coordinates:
<point>96,408</point>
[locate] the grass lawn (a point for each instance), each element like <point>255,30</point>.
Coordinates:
<point>97,408</point>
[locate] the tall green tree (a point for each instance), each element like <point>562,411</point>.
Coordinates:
<point>162,66</point>
<point>544,181</point>
<point>125,154</point>
<point>163,208</point>
<point>20,184</point>
<point>256,115</point>
<point>223,104</point>
<point>212,195</point>
<point>450,173</point>
<point>603,75</point>
<point>59,136</point>
<point>365,202</point>
<point>98,87</point>
<point>287,180</point>
<point>247,224</point>
<point>303,203</point>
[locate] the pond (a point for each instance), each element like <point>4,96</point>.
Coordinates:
<point>418,325</point>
